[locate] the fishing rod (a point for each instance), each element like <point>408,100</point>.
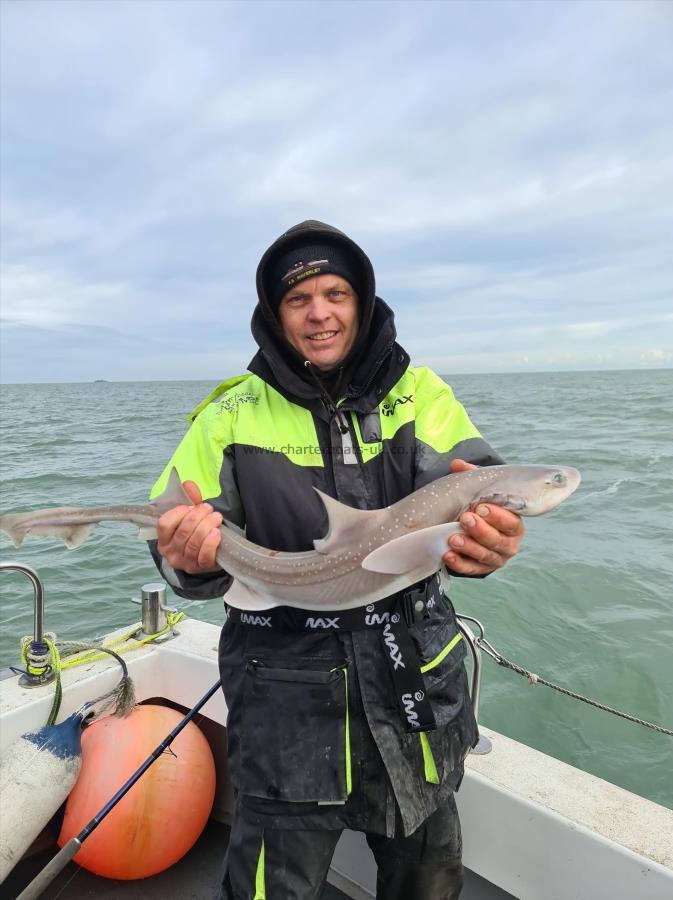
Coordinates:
<point>66,853</point>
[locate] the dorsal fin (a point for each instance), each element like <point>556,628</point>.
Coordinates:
<point>344,521</point>
<point>174,494</point>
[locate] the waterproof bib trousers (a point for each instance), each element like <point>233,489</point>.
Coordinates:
<point>267,864</point>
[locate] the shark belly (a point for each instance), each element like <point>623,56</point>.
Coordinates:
<point>349,591</point>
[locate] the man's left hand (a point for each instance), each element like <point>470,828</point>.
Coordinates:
<point>492,536</point>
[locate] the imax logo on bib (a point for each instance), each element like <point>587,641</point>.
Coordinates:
<point>264,621</point>
<point>377,618</point>
<point>393,649</point>
<point>322,623</point>
<point>410,710</point>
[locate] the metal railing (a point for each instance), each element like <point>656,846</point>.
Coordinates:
<point>38,670</point>
<point>484,745</point>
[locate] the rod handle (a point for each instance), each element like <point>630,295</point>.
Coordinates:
<point>53,868</point>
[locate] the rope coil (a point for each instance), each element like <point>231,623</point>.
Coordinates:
<point>68,654</point>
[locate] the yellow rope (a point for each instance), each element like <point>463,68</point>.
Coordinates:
<point>119,644</point>
<point>87,656</point>
<point>54,663</point>
<point>58,693</point>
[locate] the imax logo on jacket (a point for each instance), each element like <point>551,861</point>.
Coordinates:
<point>322,623</point>
<point>389,408</point>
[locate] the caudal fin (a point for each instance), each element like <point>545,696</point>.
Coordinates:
<point>11,525</point>
<point>19,525</point>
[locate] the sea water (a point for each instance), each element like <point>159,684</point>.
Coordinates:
<point>588,603</point>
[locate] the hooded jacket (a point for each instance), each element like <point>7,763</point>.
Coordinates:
<point>368,436</point>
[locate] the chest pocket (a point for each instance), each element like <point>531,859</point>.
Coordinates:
<point>295,743</point>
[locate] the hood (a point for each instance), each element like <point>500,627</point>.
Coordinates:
<point>313,232</point>
<point>282,366</point>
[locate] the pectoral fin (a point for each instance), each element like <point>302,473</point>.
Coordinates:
<point>241,596</point>
<point>418,550</point>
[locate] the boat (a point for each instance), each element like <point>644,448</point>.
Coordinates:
<point>534,828</point>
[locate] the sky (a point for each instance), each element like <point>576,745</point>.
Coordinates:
<point>508,167</point>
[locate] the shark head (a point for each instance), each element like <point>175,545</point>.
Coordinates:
<point>542,489</point>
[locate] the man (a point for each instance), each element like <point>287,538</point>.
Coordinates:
<point>317,739</point>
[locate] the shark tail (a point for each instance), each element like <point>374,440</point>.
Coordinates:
<point>73,525</point>
<point>10,526</point>
<point>19,525</point>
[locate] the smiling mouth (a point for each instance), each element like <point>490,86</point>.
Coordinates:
<point>322,335</point>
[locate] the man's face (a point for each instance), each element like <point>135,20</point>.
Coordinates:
<point>319,317</point>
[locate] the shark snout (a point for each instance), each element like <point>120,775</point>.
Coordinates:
<point>559,483</point>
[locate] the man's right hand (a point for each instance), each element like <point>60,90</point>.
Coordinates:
<point>189,536</point>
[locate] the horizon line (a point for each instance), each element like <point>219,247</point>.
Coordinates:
<point>442,375</point>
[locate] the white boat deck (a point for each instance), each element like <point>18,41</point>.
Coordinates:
<point>533,827</point>
<point>195,877</point>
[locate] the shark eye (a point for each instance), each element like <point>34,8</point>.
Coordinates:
<point>559,478</point>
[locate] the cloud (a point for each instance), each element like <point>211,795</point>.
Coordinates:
<point>507,167</point>
<point>52,299</point>
<point>657,356</point>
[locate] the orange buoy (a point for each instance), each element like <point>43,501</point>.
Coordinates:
<point>162,815</point>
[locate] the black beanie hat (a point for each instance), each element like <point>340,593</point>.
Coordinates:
<point>306,261</point>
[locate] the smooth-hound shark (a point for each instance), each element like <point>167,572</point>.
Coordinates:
<point>366,554</point>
